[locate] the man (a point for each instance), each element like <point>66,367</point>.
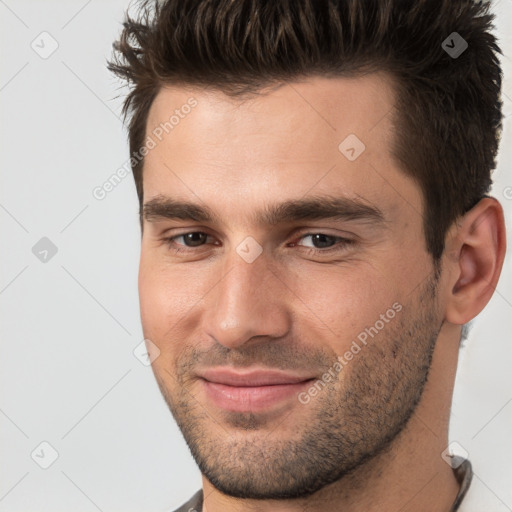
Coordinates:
<point>316,232</point>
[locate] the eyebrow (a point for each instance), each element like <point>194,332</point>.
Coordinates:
<point>311,208</point>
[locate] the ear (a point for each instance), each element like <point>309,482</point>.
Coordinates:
<point>475,253</point>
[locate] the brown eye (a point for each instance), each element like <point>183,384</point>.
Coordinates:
<point>321,240</point>
<point>190,241</point>
<point>323,243</point>
<point>193,239</point>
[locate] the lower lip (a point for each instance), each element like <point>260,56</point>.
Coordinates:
<point>251,398</point>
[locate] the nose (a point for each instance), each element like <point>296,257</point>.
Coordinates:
<point>250,300</point>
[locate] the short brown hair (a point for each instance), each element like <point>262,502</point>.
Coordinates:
<point>448,109</point>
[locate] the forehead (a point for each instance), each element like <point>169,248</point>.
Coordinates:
<point>295,139</point>
<point>294,111</point>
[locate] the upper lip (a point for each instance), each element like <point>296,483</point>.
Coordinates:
<point>253,378</point>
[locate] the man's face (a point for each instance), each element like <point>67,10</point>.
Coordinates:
<point>351,297</point>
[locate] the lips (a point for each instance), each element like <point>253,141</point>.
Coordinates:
<point>253,391</point>
<point>253,378</point>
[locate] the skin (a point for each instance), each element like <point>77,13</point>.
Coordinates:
<point>372,438</point>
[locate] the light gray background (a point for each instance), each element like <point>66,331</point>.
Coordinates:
<point>69,326</point>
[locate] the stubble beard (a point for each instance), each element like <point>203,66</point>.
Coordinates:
<point>344,427</point>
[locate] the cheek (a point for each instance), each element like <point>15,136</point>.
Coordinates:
<point>169,298</point>
<point>344,301</point>
<point>156,298</point>
<point>332,303</point>
<point>164,301</point>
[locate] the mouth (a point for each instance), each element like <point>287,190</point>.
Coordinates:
<point>254,391</point>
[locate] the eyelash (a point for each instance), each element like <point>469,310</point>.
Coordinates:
<point>341,244</point>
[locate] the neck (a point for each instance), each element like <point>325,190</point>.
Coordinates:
<point>411,476</point>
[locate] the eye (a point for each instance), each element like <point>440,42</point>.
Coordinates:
<point>192,239</point>
<point>321,240</point>
<point>321,243</point>
<point>324,243</point>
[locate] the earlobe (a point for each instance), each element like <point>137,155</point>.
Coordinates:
<point>479,249</point>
